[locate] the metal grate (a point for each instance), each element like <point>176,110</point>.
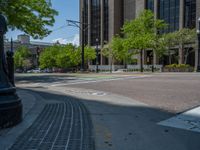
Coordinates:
<point>62,126</point>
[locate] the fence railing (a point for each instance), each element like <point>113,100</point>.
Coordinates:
<point>122,67</point>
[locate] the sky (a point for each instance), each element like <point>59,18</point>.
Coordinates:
<point>68,10</point>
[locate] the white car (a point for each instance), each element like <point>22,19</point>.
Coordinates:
<point>37,70</point>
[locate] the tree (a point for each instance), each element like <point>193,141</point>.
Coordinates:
<point>30,16</point>
<point>184,37</point>
<point>89,54</point>
<point>22,58</point>
<point>67,56</point>
<point>48,57</point>
<point>116,51</point>
<point>141,33</point>
<point>170,42</point>
<point>64,56</point>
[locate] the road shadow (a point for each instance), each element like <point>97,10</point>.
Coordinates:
<point>119,126</point>
<point>28,78</point>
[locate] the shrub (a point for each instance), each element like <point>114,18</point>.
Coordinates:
<point>182,66</point>
<point>178,68</point>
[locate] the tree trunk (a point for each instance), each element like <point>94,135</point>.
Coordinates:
<point>181,54</point>
<point>170,59</point>
<point>111,64</point>
<point>186,56</point>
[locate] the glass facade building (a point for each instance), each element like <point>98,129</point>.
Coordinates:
<point>150,5</point>
<point>190,13</point>
<point>94,13</point>
<point>95,21</point>
<point>106,17</point>
<point>168,10</point>
<point>85,20</point>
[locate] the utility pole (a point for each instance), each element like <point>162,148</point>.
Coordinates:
<point>82,27</point>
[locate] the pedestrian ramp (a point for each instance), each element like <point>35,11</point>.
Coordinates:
<point>189,120</point>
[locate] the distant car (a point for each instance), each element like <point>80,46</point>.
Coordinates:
<point>30,71</point>
<point>37,70</point>
<point>46,71</point>
<point>19,71</point>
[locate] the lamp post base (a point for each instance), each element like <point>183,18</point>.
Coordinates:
<point>10,108</point>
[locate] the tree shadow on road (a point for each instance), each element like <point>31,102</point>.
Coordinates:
<point>44,78</point>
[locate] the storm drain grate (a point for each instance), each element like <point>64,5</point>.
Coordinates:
<point>62,126</point>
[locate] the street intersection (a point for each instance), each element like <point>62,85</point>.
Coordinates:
<point>111,111</point>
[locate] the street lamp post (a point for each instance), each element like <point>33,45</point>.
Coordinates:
<point>10,103</point>
<point>10,64</point>
<point>38,56</point>
<point>198,53</point>
<point>97,55</point>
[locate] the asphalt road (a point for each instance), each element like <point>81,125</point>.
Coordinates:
<point>128,115</point>
<point>171,92</point>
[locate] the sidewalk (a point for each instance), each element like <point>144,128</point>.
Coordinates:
<point>31,110</point>
<point>52,120</point>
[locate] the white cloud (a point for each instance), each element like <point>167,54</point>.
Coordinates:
<point>74,40</point>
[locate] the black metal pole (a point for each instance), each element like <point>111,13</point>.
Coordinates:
<point>198,57</point>
<point>10,64</point>
<point>82,43</point>
<point>198,54</point>
<point>97,57</point>
<point>10,103</point>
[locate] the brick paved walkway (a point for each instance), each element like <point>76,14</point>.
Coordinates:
<point>60,126</point>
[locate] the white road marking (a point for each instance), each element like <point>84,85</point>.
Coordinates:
<point>96,81</point>
<point>189,120</point>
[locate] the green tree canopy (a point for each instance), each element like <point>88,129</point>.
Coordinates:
<point>48,56</point>
<point>30,16</point>
<point>116,50</point>
<point>21,57</point>
<point>64,56</point>
<point>141,33</point>
<point>90,53</point>
<point>182,38</point>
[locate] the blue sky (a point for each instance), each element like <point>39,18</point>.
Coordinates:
<point>68,9</point>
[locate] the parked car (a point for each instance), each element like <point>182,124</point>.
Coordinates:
<point>37,70</point>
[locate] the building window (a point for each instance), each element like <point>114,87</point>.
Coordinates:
<point>190,14</point>
<point>85,21</point>
<point>106,25</point>
<point>95,21</point>
<point>169,12</point>
<point>150,5</point>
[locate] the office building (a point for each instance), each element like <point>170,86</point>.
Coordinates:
<point>103,19</point>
